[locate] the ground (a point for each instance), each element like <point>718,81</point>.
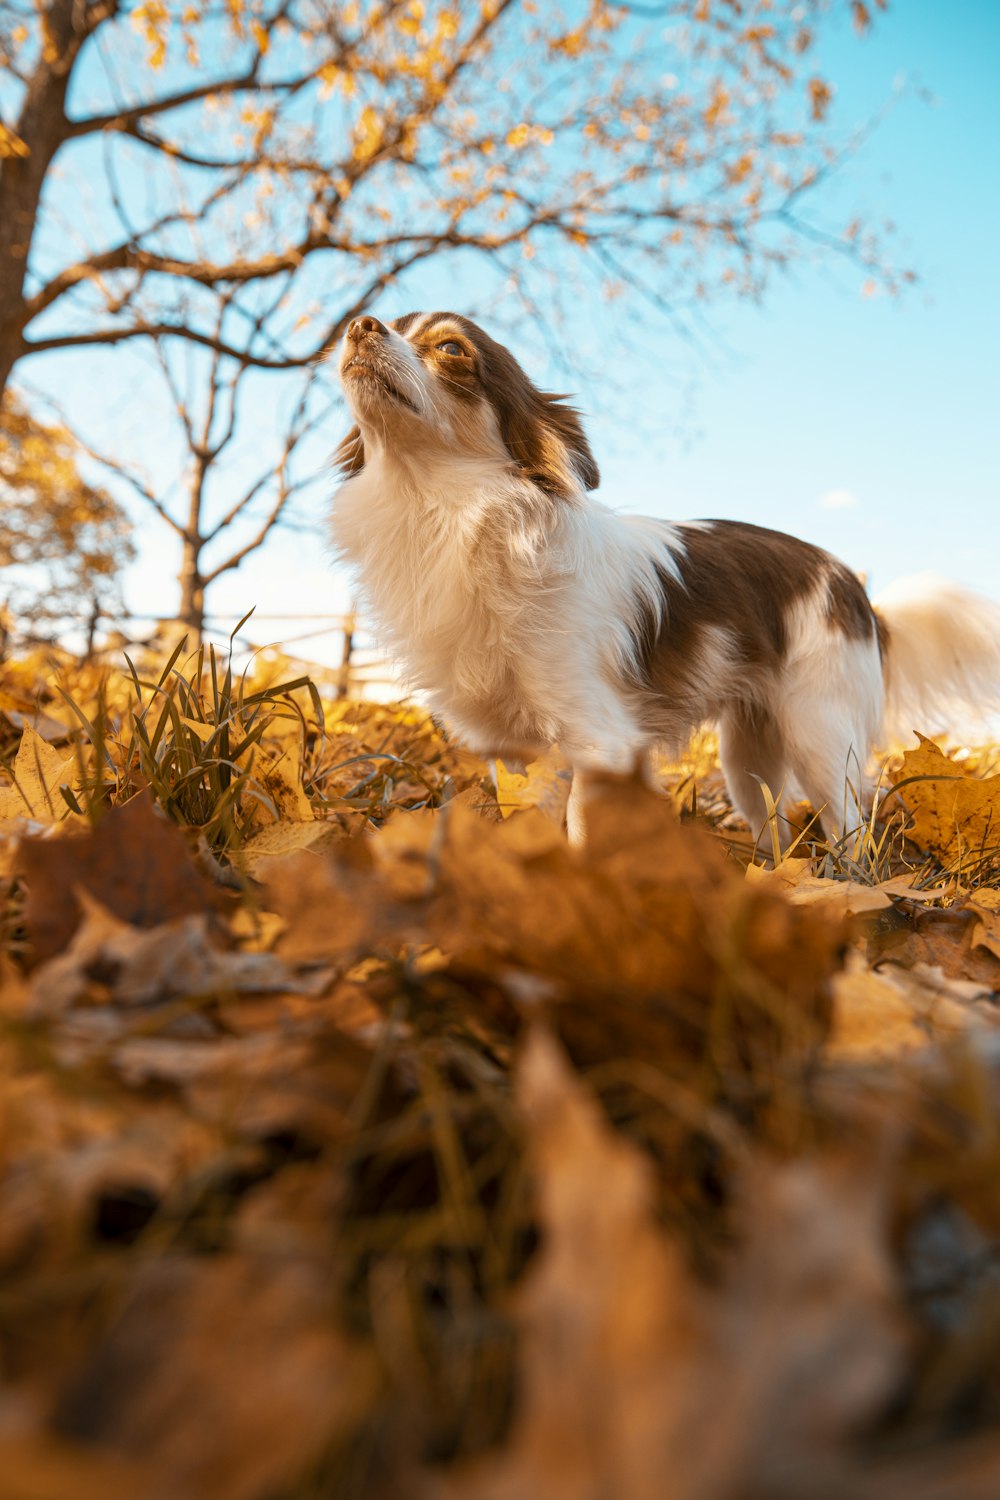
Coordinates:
<point>360,1139</point>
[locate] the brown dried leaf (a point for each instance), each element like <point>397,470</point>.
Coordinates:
<point>650,910</point>
<point>139,966</point>
<point>632,1372</point>
<point>544,783</point>
<point>278,840</point>
<point>986,905</point>
<point>881,1014</point>
<point>48,1468</point>
<point>134,863</point>
<point>225,1376</point>
<point>329,906</point>
<point>257,1086</point>
<point>944,939</point>
<point>794,879</point>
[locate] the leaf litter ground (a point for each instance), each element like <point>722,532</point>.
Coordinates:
<point>358,1138</point>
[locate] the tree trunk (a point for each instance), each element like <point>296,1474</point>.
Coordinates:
<point>192,610</point>
<point>41,127</point>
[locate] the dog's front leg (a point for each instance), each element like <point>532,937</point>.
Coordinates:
<point>588,785</point>
<point>576,824</point>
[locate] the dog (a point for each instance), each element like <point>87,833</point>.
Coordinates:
<point>531,614</point>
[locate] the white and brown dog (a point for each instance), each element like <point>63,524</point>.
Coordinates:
<point>530,614</point>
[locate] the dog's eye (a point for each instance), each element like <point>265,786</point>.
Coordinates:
<point>451,347</point>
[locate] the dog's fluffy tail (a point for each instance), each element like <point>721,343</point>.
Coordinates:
<point>942,665</point>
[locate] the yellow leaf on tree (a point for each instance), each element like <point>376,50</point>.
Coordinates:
<point>368,133</point>
<point>39,771</point>
<point>951,810</point>
<point>11,143</point>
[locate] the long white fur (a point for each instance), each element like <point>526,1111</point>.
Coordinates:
<point>466,570</point>
<point>517,614</point>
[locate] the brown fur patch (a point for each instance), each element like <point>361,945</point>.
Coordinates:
<point>744,580</point>
<point>349,454</point>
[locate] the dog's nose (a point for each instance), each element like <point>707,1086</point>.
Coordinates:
<point>357,329</point>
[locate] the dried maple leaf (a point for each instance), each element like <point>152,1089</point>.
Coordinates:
<point>951,811</point>
<point>543,783</point>
<point>329,906</point>
<point>39,771</point>
<point>650,928</point>
<point>134,863</point>
<point>948,939</point>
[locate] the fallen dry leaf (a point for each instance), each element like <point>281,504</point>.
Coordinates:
<point>280,839</point>
<point>880,1013</point>
<point>902,885</point>
<point>986,905</point>
<point>794,879</point>
<point>140,965</point>
<point>135,863</point>
<point>41,1467</point>
<point>944,938</point>
<point>544,783</point>
<point>328,906</point>
<point>951,811</point>
<point>651,909</point>
<point>39,771</point>
<point>279,772</point>
<point>637,1381</point>
<point>223,1376</point>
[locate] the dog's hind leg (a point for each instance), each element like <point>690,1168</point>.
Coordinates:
<point>830,716</point>
<point>752,750</point>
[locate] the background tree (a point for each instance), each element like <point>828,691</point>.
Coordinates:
<point>63,542</point>
<point>203,504</point>
<point>246,179</point>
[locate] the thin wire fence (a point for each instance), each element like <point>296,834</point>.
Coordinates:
<point>350,667</point>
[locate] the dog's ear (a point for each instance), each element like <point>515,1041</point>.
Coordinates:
<point>566,422</point>
<point>349,457</point>
<point>547,441</point>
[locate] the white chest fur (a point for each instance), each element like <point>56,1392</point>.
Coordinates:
<point>460,572</point>
<point>510,608</point>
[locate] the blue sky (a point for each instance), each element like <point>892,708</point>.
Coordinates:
<point>868,425</point>
<point>889,404</point>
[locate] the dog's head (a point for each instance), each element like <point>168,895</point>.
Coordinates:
<point>435,382</point>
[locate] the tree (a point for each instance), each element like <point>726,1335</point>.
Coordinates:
<point>203,506</point>
<point>261,172</point>
<point>371,136</point>
<point>63,541</point>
